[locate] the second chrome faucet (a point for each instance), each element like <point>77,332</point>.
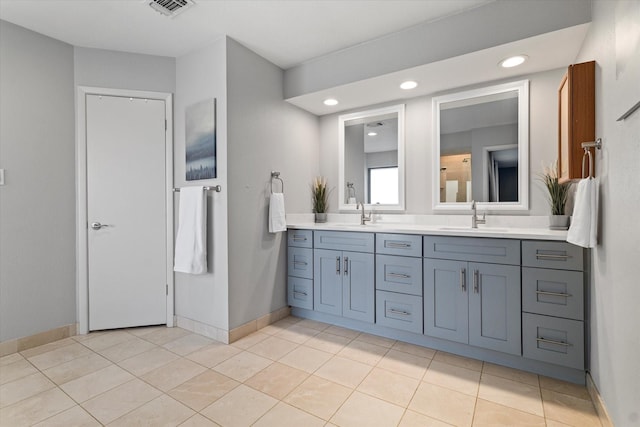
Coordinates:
<point>363,218</point>
<point>474,219</point>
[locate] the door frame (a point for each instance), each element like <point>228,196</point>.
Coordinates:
<point>82,267</point>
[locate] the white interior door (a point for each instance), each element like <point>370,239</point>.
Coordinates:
<point>126,212</point>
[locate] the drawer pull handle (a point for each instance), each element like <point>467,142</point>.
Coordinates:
<point>400,312</point>
<point>554,342</point>
<point>337,265</point>
<point>553,257</point>
<point>554,294</point>
<point>346,266</point>
<point>300,263</point>
<point>476,281</point>
<point>399,275</point>
<point>299,238</point>
<point>299,293</point>
<point>398,245</point>
<point>463,279</point>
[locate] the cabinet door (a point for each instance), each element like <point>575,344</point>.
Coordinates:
<point>553,340</point>
<point>300,293</point>
<point>446,310</point>
<point>399,274</point>
<point>327,277</point>
<point>300,238</point>
<point>300,262</point>
<point>399,311</point>
<point>494,307</point>
<point>358,286</point>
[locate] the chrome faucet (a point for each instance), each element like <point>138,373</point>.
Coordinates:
<point>363,218</point>
<point>474,219</point>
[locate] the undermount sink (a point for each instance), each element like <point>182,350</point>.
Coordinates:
<point>486,229</point>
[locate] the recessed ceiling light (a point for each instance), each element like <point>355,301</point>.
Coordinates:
<point>408,85</point>
<point>513,61</point>
<point>330,102</point>
<point>372,134</point>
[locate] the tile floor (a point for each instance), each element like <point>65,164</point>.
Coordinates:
<point>293,373</point>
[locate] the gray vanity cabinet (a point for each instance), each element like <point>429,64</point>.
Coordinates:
<point>300,269</point>
<point>553,303</point>
<point>399,282</point>
<point>343,279</point>
<point>473,302</point>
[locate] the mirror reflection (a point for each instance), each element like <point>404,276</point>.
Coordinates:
<point>371,158</point>
<point>481,144</point>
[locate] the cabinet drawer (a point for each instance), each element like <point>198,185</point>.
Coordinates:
<point>496,251</point>
<point>553,292</point>
<point>560,255</point>
<point>399,244</point>
<point>344,241</point>
<point>399,274</point>
<point>300,238</point>
<point>399,311</point>
<point>300,262</point>
<point>300,293</point>
<point>553,340</point>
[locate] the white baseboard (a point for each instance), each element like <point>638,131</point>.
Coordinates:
<point>601,409</point>
<point>42,338</point>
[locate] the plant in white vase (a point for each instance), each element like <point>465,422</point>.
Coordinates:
<point>558,195</point>
<point>320,198</point>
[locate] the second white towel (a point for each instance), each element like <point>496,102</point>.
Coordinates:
<point>191,241</point>
<point>584,222</point>
<point>277,217</point>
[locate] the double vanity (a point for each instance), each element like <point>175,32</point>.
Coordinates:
<point>509,296</point>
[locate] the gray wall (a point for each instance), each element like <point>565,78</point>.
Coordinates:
<point>202,75</point>
<point>37,204</point>
<point>265,133</point>
<point>615,318</point>
<point>419,150</point>
<point>122,70</point>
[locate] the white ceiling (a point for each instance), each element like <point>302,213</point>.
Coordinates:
<point>286,32</point>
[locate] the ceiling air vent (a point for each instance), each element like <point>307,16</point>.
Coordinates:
<point>170,8</point>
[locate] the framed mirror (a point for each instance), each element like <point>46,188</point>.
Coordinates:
<point>481,148</point>
<point>371,159</point>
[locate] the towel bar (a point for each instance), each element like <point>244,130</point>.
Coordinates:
<point>587,153</point>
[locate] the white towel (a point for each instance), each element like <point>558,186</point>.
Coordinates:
<point>277,220</point>
<point>584,222</point>
<point>191,241</point>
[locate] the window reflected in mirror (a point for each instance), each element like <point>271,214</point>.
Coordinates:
<point>383,185</point>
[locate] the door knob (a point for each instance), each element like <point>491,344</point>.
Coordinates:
<point>98,226</point>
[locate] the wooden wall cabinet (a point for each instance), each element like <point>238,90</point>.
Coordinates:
<point>576,119</point>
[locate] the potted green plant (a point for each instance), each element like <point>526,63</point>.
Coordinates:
<point>557,196</point>
<point>320,198</point>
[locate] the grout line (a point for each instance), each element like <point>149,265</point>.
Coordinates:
<point>308,375</point>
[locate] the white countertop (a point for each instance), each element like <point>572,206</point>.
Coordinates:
<point>444,229</point>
